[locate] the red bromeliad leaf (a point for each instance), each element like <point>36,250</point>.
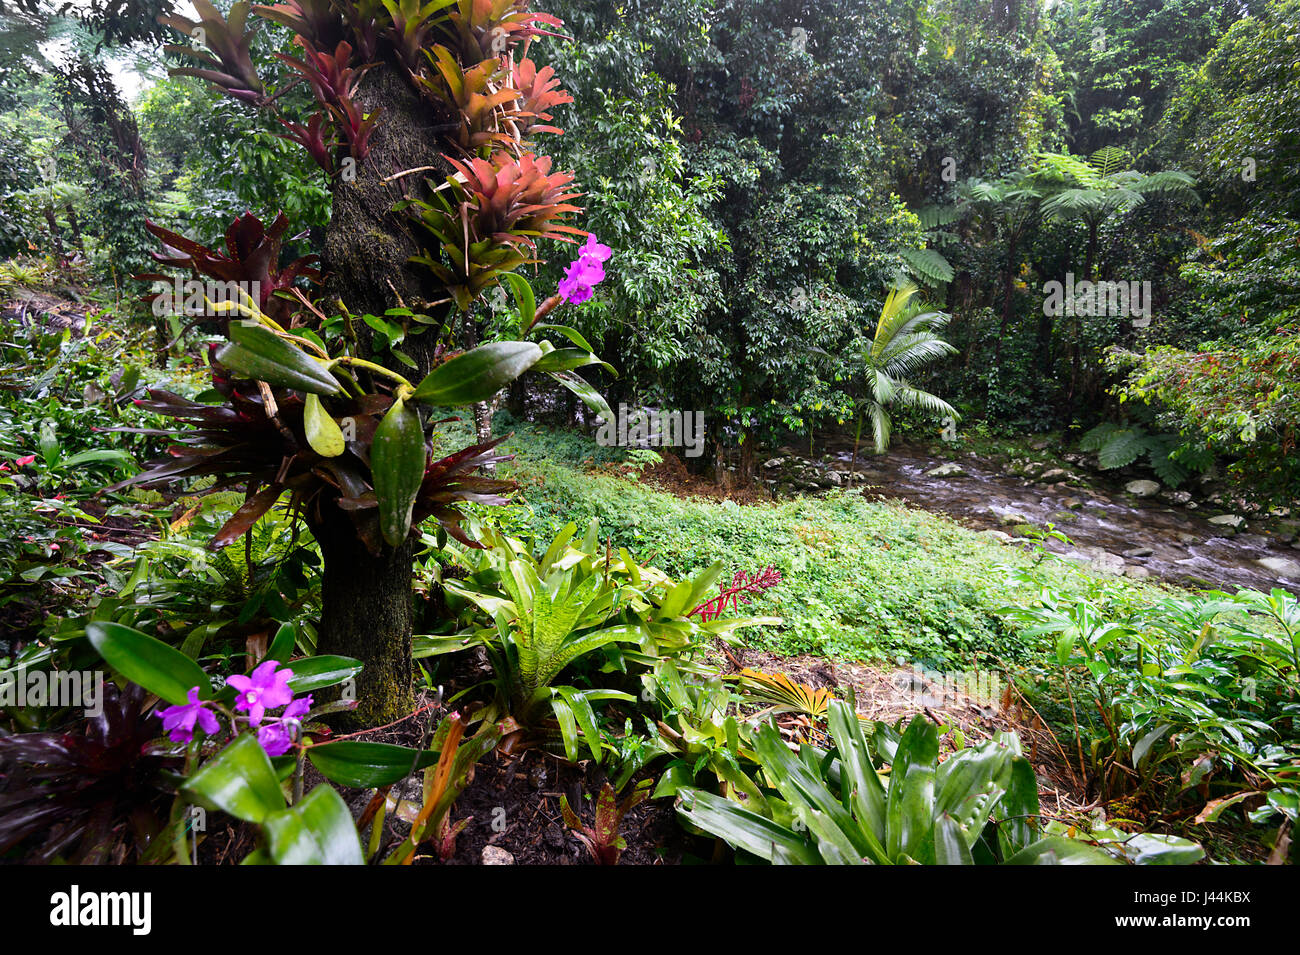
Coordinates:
<point>252,255</point>
<point>491,27</point>
<point>490,217</point>
<point>316,21</point>
<point>312,138</point>
<point>539,92</point>
<point>331,76</point>
<point>229,65</point>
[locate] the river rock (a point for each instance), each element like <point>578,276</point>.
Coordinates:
<point>1228,523</point>
<point>1186,538</point>
<point>1133,570</point>
<point>495,855</point>
<point>1014,517</point>
<point>1055,476</point>
<point>1072,503</point>
<point>1137,552</point>
<point>1142,488</point>
<point>997,535</point>
<point>1282,566</point>
<point>1040,444</point>
<point>1063,517</point>
<point>1106,562</point>
<point>951,469</point>
<point>774,462</point>
<point>1287,531</point>
<point>1180,498</point>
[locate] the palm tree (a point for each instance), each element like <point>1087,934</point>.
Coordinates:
<point>905,340</point>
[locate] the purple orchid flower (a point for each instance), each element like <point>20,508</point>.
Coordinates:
<point>179,720</point>
<point>585,272</point>
<point>266,689</point>
<point>277,736</point>
<point>580,278</point>
<point>592,249</point>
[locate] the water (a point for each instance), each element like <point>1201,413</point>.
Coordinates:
<point>1109,528</point>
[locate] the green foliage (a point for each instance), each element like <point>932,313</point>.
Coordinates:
<point>904,340</point>
<point>837,808</point>
<point>1188,699</point>
<point>1119,445</point>
<point>539,616</point>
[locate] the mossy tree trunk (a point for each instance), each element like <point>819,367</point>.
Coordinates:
<point>366,598</point>
<point>366,613</point>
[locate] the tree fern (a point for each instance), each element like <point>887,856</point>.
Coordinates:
<point>1119,445</point>
<point>928,265</point>
<point>1109,160</point>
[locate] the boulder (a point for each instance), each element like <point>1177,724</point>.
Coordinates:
<point>1014,517</point>
<point>1107,563</point>
<point>1229,524</point>
<point>1282,566</point>
<point>1142,488</point>
<point>951,469</point>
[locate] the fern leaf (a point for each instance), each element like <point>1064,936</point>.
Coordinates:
<point>1123,448</point>
<point>928,265</point>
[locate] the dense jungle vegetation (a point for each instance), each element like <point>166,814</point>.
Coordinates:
<point>645,432</point>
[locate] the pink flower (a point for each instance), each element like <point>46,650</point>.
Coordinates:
<point>592,249</point>
<point>266,689</point>
<point>23,462</point>
<point>585,272</point>
<point>277,737</point>
<point>179,720</point>
<point>582,275</point>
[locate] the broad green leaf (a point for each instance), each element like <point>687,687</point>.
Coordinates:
<point>159,668</point>
<point>368,765</point>
<point>261,354</point>
<point>323,432</point>
<point>743,829</point>
<point>317,831</point>
<point>315,673</point>
<point>524,298</point>
<point>478,374</point>
<point>1057,850</point>
<point>239,781</point>
<point>398,459</point>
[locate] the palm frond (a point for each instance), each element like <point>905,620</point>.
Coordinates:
<point>919,398</point>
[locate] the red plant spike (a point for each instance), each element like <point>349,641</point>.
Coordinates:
<point>735,595</point>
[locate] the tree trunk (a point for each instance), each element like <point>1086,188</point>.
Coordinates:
<point>366,613</point>
<point>366,599</point>
<point>1008,293</point>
